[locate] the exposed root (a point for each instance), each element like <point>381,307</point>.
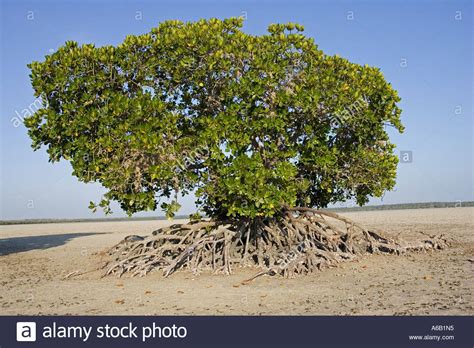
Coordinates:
<point>297,242</point>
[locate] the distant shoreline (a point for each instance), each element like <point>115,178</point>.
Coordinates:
<point>426,205</point>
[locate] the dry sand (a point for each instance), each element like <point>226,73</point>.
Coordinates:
<point>35,258</point>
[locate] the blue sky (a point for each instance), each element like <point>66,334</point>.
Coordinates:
<point>424,48</point>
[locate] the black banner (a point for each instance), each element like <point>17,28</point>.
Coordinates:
<point>198,331</point>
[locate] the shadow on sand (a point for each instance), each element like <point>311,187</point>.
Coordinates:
<point>19,244</point>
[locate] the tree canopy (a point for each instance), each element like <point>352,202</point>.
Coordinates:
<point>250,123</point>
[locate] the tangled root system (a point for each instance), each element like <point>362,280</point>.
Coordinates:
<point>299,241</point>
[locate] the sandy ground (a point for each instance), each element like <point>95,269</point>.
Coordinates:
<point>35,258</point>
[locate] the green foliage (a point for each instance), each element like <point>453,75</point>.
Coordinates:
<point>195,217</point>
<point>249,122</point>
<point>171,209</point>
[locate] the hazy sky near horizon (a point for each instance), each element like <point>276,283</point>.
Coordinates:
<point>424,48</point>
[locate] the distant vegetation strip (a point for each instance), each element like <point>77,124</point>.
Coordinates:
<point>336,209</point>
<point>105,219</point>
<point>427,205</point>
